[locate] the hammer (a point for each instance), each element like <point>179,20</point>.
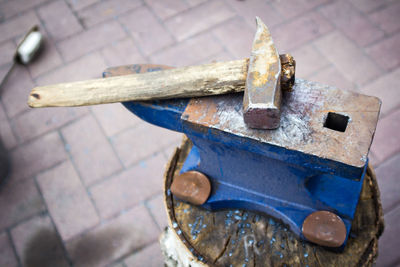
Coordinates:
<point>261,77</point>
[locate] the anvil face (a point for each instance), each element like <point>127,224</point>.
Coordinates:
<point>313,118</point>
<point>316,160</point>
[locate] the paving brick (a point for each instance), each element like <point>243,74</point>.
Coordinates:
<point>3,115</point>
<point>83,134</point>
<point>236,36</point>
<point>148,33</point>
<point>15,91</point>
<point>90,66</point>
<point>388,174</point>
<point>59,20</point>
<point>385,87</point>
<point>169,151</point>
<point>7,136</point>
<point>193,3</point>
<point>150,256</point>
<point>372,159</point>
<point>113,239</point>
<point>67,200</point>
<point>353,24</point>
<point>308,61</point>
<point>7,50</point>
<point>387,139</point>
<point>38,244</point>
<point>4,70</point>
<point>158,210</point>
<point>47,59</point>
<point>251,8</point>
<point>18,25</point>
<point>167,8</point>
<point>188,52</point>
<point>117,264</point>
<point>130,187</point>
<point>123,52</point>
<point>199,19</point>
<point>220,56</point>
<point>388,18</point>
<point>142,141</point>
<point>288,9</point>
<point>300,31</point>
<point>349,59</point>
<point>7,256</point>
<point>35,122</point>
<point>389,242</point>
<point>114,118</point>
<point>105,10</point>
<point>331,76</point>
<point>367,6</point>
<point>38,155</point>
<point>91,152</point>
<point>386,53</point>
<point>81,4</point>
<point>9,9</point>
<point>90,40</point>
<point>19,201</point>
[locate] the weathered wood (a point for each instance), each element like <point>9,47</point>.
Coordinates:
<point>208,79</point>
<point>244,238</point>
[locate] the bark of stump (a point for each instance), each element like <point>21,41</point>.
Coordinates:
<point>197,237</point>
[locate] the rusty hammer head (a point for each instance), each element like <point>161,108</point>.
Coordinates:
<point>262,95</point>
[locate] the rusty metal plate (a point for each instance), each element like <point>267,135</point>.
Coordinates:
<point>313,117</point>
<point>324,228</point>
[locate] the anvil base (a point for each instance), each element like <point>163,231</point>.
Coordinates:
<point>254,182</point>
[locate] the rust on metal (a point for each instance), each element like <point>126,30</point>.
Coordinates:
<point>288,71</point>
<point>192,186</point>
<point>262,95</point>
<point>324,228</point>
<point>303,115</point>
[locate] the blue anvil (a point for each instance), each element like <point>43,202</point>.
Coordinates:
<point>316,160</point>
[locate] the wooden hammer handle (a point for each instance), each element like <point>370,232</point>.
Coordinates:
<point>202,80</point>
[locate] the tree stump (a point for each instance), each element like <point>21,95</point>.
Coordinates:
<point>198,237</point>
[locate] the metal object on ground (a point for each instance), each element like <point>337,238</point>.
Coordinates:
<point>26,50</point>
<point>192,186</point>
<point>324,228</point>
<point>262,95</point>
<point>29,46</point>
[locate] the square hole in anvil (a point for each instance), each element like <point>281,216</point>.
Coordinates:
<point>336,122</point>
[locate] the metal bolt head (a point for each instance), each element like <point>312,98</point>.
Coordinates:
<point>192,186</point>
<point>324,228</point>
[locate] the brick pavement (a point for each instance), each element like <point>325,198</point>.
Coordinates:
<point>86,182</point>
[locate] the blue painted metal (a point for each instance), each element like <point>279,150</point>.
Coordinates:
<point>251,174</point>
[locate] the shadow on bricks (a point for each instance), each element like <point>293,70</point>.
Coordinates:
<point>45,249</point>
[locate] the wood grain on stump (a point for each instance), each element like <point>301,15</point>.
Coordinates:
<point>245,238</point>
